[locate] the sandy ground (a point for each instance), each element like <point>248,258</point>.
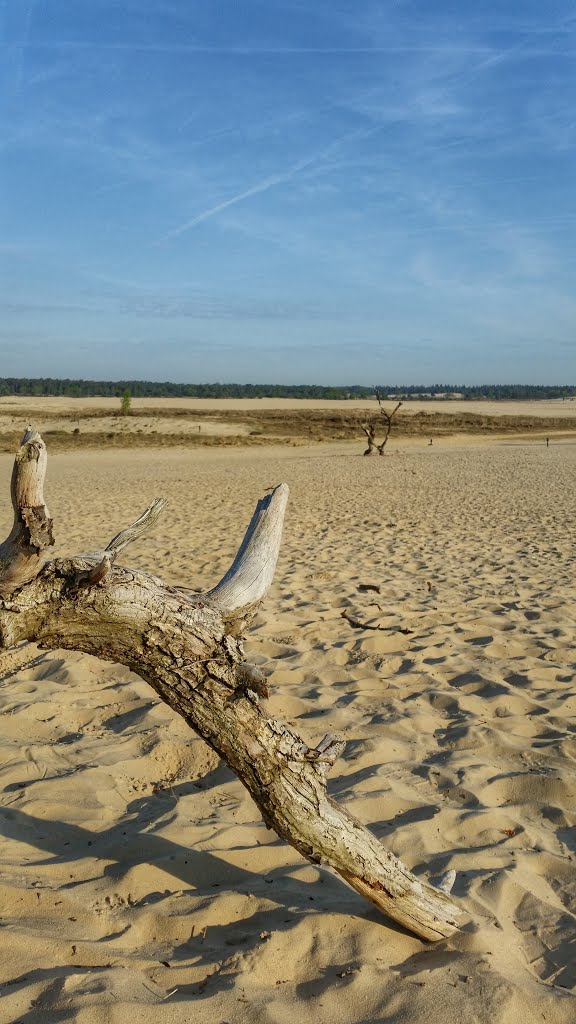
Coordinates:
<point>138,881</point>
<point>45,421</point>
<point>52,406</point>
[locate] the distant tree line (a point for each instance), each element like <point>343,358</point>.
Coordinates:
<point>54,387</point>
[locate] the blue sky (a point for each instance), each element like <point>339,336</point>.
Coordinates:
<point>330,191</point>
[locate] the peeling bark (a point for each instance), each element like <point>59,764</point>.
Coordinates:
<point>21,552</point>
<point>189,649</point>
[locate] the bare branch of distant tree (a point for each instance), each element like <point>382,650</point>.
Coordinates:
<point>370,428</point>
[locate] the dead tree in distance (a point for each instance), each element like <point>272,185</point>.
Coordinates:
<point>188,647</point>
<point>370,428</point>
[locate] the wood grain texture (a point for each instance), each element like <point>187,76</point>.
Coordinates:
<point>189,649</point>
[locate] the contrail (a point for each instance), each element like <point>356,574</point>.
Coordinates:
<point>24,45</point>
<point>261,186</point>
<point>264,51</point>
<point>265,184</point>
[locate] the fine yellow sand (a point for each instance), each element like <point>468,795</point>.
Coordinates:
<point>46,421</point>
<point>11,405</point>
<point>138,880</point>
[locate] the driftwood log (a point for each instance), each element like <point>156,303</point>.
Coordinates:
<point>189,649</point>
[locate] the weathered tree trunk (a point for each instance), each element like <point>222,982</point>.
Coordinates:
<point>189,649</point>
<point>370,429</point>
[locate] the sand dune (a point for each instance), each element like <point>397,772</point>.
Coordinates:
<point>46,422</point>
<point>138,881</point>
<point>51,406</point>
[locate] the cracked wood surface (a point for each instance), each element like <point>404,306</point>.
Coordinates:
<point>189,649</point>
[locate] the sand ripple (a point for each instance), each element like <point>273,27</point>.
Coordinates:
<point>424,608</point>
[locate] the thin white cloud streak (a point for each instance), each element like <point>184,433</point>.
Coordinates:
<point>264,185</point>
<point>261,186</point>
<point>267,51</point>
<point>24,45</point>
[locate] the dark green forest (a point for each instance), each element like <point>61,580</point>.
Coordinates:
<point>50,386</point>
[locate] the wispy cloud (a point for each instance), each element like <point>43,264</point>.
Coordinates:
<point>254,190</point>
<point>390,163</point>
<point>265,184</point>
<point>437,49</point>
<point>24,42</point>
